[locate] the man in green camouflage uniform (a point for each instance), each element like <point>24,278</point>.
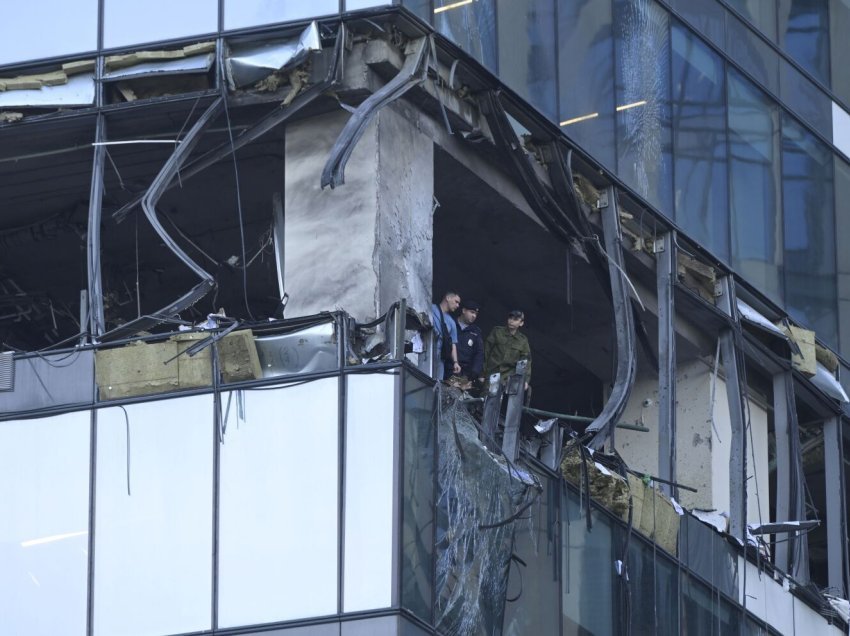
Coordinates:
<point>505,346</point>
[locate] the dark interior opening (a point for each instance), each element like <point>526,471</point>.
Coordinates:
<point>487,249</point>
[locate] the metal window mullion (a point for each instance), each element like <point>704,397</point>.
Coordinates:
<point>665,277</point>
<point>96,326</point>
<point>835,525</point>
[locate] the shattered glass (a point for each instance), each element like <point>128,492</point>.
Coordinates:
<point>479,495</point>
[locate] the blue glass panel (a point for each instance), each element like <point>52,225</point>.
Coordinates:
<point>472,26</point>
<point>807,190</point>
<point>248,13</point>
<point>586,72</point>
<point>842,220</point>
<point>532,606</point>
<point>839,27</point>
<point>527,55</point>
<point>642,45</point>
<point>33,30</point>
<point>706,16</point>
<point>699,141</point>
<point>587,586</point>
<point>421,8</point>
<point>804,34</point>
<point>754,55</point>
<point>754,185</point>
<point>805,99</point>
<point>654,589</point>
<point>759,13</point>
<point>128,22</point>
<point>417,565</point>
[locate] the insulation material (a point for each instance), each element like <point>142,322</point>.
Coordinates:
<point>144,368</point>
<point>238,357</point>
<point>806,361</point>
<point>114,62</point>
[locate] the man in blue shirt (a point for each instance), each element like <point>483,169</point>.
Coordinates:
<point>446,330</point>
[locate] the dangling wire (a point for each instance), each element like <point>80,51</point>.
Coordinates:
<point>239,210</point>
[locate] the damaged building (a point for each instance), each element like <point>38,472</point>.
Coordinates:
<point>223,225</point>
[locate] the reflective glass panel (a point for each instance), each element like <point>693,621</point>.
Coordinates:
<point>839,27</point>
<point>707,16</point>
<point>699,141</point>
<point>153,520</point>
<point>246,13</point>
<point>754,55</point>
<point>804,98</point>
<point>369,487</point>
<point>44,523</point>
<point>807,189</point>
<point>842,219</point>
<point>279,504</point>
<point>533,580</point>
<point>642,49</point>
<point>421,8</point>
<point>417,532</point>
<point>33,30</point>
<point>470,25</point>
<point>754,186</point>
<point>128,22</point>
<point>760,13</point>
<point>654,583</point>
<point>804,34</point>
<point>528,64</point>
<point>587,586</point>
<point>586,71</point>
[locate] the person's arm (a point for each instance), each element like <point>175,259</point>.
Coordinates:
<point>527,366</point>
<point>452,325</point>
<point>456,367</point>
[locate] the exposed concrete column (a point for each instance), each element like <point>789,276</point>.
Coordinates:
<point>367,243</point>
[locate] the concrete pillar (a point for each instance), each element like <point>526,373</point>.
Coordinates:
<point>367,243</point>
<point>702,450</point>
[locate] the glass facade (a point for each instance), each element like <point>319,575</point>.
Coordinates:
<point>689,114</point>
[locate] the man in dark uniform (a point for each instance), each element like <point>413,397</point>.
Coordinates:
<point>506,346</point>
<point>470,341</point>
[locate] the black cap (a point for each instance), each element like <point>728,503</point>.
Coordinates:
<point>470,304</point>
<point>516,313</point>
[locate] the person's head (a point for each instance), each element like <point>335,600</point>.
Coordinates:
<point>516,319</point>
<point>450,302</point>
<point>469,311</point>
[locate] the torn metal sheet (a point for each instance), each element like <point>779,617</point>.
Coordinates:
<point>275,118</point>
<point>77,91</point>
<point>310,350</point>
<point>249,64</point>
<point>413,72</point>
<point>194,64</point>
<point>826,382</point>
<point>752,316</point>
<point>157,189</point>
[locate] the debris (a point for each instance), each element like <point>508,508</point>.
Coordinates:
<point>80,66</point>
<point>697,276</point>
<point>806,361</point>
<point>10,116</point>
